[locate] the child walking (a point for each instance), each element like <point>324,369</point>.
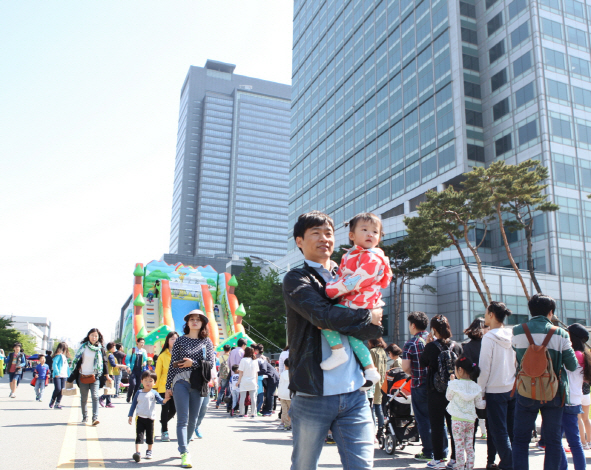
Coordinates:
<point>145,402</point>
<point>41,373</point>
<point>234,388</point>
<point>284,395</point>
<point>363,272</point>
<point>464,396</point>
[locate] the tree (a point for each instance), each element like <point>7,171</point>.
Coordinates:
<point>337,255</point>
<point>262,296</point>
<point>446,218</point>
<point>408,261</point>
<point>8,335</point>
<point>28,342</point>
<point>516,190</point>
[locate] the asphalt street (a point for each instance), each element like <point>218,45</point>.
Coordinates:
<point>35,437</point>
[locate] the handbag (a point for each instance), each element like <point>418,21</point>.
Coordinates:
<point>109,391</point>
<point>87,379</point>
<point>34,381</point>
<point>247,401</point>
<point>70,390</point>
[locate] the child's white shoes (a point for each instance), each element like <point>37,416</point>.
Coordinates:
<point>338,357</point>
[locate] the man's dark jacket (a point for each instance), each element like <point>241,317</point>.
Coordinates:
<point>308,308</point>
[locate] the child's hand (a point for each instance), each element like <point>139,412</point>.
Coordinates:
<point>167,399</point>
<point>452,377</point>
<point>130,419</point>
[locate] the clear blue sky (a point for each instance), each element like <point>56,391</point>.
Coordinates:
<point>89,100</point>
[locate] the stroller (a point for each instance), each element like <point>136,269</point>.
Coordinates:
<point>399,423</point>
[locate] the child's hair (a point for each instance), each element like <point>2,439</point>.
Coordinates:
<point>578,337</point>
<point>471,368</point>
<point>149,373</point>
<point>440,324</point>
<point>365,217</point>
<point>286,363</point>
<point>234,367</point>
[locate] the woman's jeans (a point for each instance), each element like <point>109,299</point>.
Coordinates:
<point>253,402</point>
<point>94,392</point>
<point>570,427</point>
<point>202,411</point>
<point>377,411</point>
<point>500,411</point>
<point>187,402</point>
<point>58,384</point>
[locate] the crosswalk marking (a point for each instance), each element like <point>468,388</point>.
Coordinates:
<point>68,451</point>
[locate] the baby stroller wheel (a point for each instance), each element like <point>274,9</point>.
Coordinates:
<point>390,444</point>
<point>382,442</point>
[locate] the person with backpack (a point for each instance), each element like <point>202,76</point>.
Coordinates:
<point>497,375</point>
<point>543,352</point>
<point>439,357</point>
<point>224,374</point>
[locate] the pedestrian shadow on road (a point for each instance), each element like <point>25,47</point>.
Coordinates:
<point>280,442</point>
<point>116,463</point>
<point>35,425</point>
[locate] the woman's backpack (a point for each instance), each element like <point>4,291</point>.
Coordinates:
<point>446,365</point>
<point>536,378</point>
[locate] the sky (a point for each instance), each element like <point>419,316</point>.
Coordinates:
<point>89,96</point>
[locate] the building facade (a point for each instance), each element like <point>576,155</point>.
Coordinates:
<point>393,98</point>
<point>38,327</point>
<point>232,165</point>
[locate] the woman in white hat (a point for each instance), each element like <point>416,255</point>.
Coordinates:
<point>187,353</point>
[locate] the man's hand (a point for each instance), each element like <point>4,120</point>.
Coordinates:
<point>376,316</point>
<point>130,419</point>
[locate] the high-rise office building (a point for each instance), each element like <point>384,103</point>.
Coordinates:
<point>393,98</point>
<point>232,165</point>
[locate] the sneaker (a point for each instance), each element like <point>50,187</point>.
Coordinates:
<point>330,440</point>
<point>110,405</point>
<point>492,466</point>
<point>217,407</point>
<point>13,396</point>
<point>186,461</point>
<point>281,427</point>
<point>567,449</point>
<point>95,421</point>
<point>451,465</point>
<point>483,435</point>
<point>137,457</point>
<point>540,446</point>
<point>422,456</point>
<point>288,428</point>
<point>259,414</point>
<point>266,415</point>
<point>102,402</point>
<point>231,413</point>
<point>148,455</point>
<point>165,437</point>
<point>198,434</point>
<point>57,407</point>
<point>436,464</point>
<point>51,404</point>
<point>84,419</point>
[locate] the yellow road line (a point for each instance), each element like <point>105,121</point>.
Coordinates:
<point>68,451</point>
<point>95,455</point>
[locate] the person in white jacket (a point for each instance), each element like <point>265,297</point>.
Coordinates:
<point>497,376</point>
<point>284,395</point>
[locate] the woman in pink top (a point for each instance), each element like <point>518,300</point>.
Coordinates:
<point>363,273</point>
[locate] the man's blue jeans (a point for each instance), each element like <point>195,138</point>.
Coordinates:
<point>570,427</point>
<point>500,412</point>
<point>347,415</point>
<point>526,411</point>
<point>421,410</point>
<point>187,402</point>
<point>223,384</point>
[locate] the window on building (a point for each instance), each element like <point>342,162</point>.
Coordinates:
<point>470,36</point>
<point>554,58</point>
<point>579,66</point>
<point>552,28</point>
<point>494,24</point>
<point>576,36</point>
<point>516,7</point>
<point>473,118</point>
<point>581,96</point>
<point>472,89</point>
<point>524,95</point>
<point>557,90</point>
<point>568,224</point>
<point>497,51</point>
<point>501,109</point>
<point>475,153</point>
<point>520,34</point>
<point>467,10</point>
<point>554,4</point>
<point>564,169</point>
<point>498,79</point>
<point>490,3</point>
<point>560,127</point>
<point>471,62</point>
<point>575,9</point>
<point>503,145</point>
<point>528,132</point>
<point>584,133</point>
<point>523,64</point>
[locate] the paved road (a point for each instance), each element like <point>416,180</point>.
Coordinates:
<point>35,437</point>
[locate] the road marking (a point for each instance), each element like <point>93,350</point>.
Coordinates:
<point>68,451</point>
<point>95,455</point>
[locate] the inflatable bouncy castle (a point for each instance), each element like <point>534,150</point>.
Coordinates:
<point>163,294</point>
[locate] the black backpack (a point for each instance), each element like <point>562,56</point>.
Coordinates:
<point>446,364</point>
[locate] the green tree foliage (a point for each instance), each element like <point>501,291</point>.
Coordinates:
<point>408,262</point>
<point>337,255</point>
<point>514,193</point>
<point>445,219</point>
<point>262,297</point>
<point>8,335</point>
<point>28,342</point>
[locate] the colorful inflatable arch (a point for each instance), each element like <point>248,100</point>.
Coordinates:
<point>163,294</point>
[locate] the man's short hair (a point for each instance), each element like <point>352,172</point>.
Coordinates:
<point>541,305</point>
<point>241,342</point>
<point>227,347</point>
<point>310,220</point>
<point>118,346</point>
<point>419,320</point>
<point>110,345</point>
<point>149,373</point>
<point>140,339</point>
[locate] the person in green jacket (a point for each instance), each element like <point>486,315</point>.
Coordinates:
<point>542,308</point>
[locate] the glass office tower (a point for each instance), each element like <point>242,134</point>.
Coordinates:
<point>232,165</point>
<point>393,98</point>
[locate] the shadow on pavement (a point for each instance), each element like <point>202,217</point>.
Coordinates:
<point>115,463</point>
<point>270,441</point>
<point>35,425</point>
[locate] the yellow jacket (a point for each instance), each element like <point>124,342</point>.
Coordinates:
<point>162,366</point>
